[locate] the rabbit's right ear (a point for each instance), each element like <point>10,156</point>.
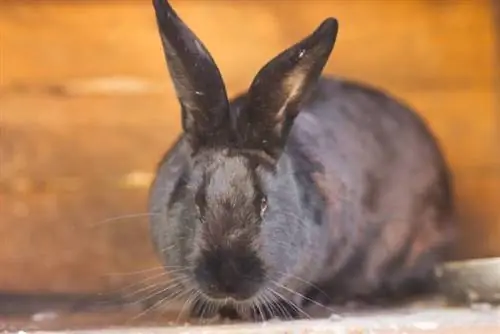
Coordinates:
<point>197,80</point>
<point>278,90</point>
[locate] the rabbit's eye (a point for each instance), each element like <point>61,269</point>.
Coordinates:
<point>199,214</point>
<point>200,203</point>
<point>263,206</point>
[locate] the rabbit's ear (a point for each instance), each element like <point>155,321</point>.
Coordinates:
<point>197,80</point>
<point>278,89</point>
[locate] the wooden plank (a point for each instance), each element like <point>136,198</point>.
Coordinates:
<point>87,109</point>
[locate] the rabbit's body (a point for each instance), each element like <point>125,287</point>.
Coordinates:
<point>353,201</point>
<point>374,188</point>
<point>377,189</point>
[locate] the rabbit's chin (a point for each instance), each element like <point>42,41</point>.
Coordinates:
<point>257,308</point>
<point>252,309</point>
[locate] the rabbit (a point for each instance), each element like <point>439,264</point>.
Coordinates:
<point>307,189</point>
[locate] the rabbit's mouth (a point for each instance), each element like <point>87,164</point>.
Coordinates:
<point>243,295</point>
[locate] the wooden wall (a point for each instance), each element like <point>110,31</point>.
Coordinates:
<point>86,110</point>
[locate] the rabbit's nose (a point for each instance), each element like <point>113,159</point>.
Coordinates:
<point>222,274</point>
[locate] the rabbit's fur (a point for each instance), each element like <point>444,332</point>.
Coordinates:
<point>303,190</point>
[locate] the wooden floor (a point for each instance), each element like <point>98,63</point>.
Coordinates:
<point>86,110</point>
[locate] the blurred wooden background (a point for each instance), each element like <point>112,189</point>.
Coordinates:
<point>87,109</point>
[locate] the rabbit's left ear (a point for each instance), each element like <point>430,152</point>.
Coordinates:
<point>278,89</point>
<point>197,80</point>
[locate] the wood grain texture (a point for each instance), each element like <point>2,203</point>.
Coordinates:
<point>87,109</point>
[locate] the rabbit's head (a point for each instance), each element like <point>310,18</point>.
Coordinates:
<point>235,215</point>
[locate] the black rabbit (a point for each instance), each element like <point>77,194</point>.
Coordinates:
<point>304,190</point>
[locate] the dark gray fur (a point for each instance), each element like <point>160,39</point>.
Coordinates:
<point>331,184</point>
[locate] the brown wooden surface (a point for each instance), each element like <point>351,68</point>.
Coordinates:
<point>76,148</point>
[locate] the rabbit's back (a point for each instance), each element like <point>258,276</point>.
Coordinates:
<point>388,194</point>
